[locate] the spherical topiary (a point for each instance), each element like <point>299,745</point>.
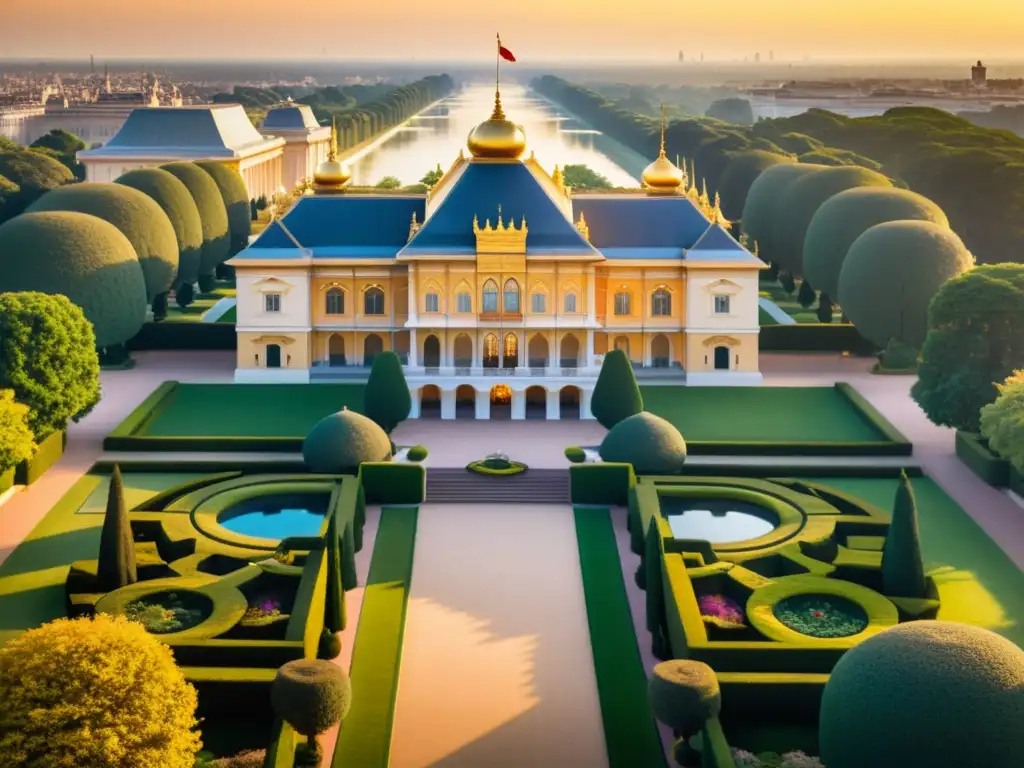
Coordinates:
<point>212,213</point>
<point>96,692</point>
<point>575,454</point>
<point>738,176</point>
<point>650,443</point>
<point>138,218</point>
<point>82,257</point>
<point>684,694</point>
<point>844,217</point>
<point>342,441</point>
<point>762,207</point>
<point>173,197</point>
<point>890,275</point>
<point>801,201</point>
<point>929,693</point>
<point>236,201</point>
<point>311,695</point>
<point>416,453</point>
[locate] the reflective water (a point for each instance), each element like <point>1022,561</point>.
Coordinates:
<point>717,522</point>
<point>437,136</point>
<point>277,516</point>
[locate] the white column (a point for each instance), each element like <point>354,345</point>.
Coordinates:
<point>589,361</point>
<point>645,340</point>
<point>521,350</point>
<point>414,412</point>
<point>414,306</point>
<point>591,295</point>
<point>553,352</point>
<point>518,404</point>
<point>585,395</point>
<point>554,405</point>
<point>448,404</point>
<point>413,349</point>
<point>483,405</point>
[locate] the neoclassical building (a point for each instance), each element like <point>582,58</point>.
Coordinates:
<point>500,289</point>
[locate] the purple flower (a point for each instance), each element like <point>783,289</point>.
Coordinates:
<point>721,608</point>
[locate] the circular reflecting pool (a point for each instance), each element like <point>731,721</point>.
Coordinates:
<point>717,521</point>
<point>276,517</point>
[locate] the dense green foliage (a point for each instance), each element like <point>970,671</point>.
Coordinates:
<point>387,399</point>
<point>1002,421</point>
<point>837,157</point>
<point>616,393</point>
<point>116,566</point>
<point>975,339</point>
<point>575,454</point>
<point>802,199</point>
<point>138,218</point>
<point>389,182</point>
<point>890,275</point>
<point>83,257</point>
<point>48,357</point>
<point>684,694</point>
<point>731,109</point>
<point>173,197</point>
<point>64,147</point>
<point>584,177</point>
<point>430,178</point>
<point>763,206</point>
<point>340,442</point>
<point>94,692</point>
<point>923,693</point>
<point>902,567</point>
<point>650,443</point>
<point>236,201</point>
<point>738,176</point>
<point>416,453</point>
<point>16,440</point>
<point>213,214</point>
<point>335,617</point>
<point>846,216</point>
<point>311,695</point>
<point>25,177</point>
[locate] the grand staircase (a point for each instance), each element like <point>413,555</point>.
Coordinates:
<point>460,486</point>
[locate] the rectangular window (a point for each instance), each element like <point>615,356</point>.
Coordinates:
<point>621,304</point>
<point>272,302</point>
<point>537,303</point>
<point>721,305</point>
<point>464,302</point>
<point>432,302</point>
<point>570,303</point>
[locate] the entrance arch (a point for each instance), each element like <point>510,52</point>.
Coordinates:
<point>373,345</point>
<point>431,352</point>
<point>430,402</point>
<point>622,342</point>
<point>569,402</point>
<point>463,351</point>
<point>336,350</point>
<point>570,352</point>
<point>661,352</point>
<point>536,402</point>
<point>501,402</point>
<point>273,355</point>
<point>721,358</point>
<point>465,402</point>
<point>537,351</point>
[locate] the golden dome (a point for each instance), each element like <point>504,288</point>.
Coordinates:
<point>663,175</point>
<point>497,136</point>
<point>331,174</point>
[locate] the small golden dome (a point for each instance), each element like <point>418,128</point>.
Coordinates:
<point>330,174</point>
<point>497,136</point>
<point>662,175</point>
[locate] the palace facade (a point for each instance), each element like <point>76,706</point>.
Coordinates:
<point>500,289</point>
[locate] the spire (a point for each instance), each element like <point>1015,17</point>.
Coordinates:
<point>662,153</point>
<point>332,152</point>
<point>498,113</point>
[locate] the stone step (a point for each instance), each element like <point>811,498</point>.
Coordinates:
<point>544,486</point>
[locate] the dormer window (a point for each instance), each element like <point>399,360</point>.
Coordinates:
<point>272,302</point>
<point>722,304</point>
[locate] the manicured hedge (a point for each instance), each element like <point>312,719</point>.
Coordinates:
<point>972,449</point>
<point>873,417</point>
<point>603,483</point>
<point>212,444</point>
<point>814,337</point>
<point>388,482</point>
<point>47,454</point>
<point>281,750</point>
<point>6,479</point>
<point>148,409</point>
<point>218,336</point>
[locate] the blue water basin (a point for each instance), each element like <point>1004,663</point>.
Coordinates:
<point>276,517</point>
<point>717,522</point>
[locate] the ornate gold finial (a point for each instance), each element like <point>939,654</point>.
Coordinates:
<point>558,178</point>
<point>717,217</point>
<point>331,176</point>
<point>332,151</point>
<point>662,129</point>
<point>705,201</point>
<point>414,226</point>
<point>581,225</point>
<point>662,177</point>
<point>504,238</point>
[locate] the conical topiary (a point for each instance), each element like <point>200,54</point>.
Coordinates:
<point>387,400</point>
<point>616,394</point>
<point>116,567</point>
<point>349,578</point>
<point>334,613</point>
<point>902,568</point>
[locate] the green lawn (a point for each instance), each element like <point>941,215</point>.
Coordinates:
<point>978,584</point>
<point>250,410</point>
<point>788,304</point>
<point>230,316</point>
<point>760,414</point>
<point>194,312</point>
<point>763,318</point>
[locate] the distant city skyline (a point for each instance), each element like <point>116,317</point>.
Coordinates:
<point>536,30</point>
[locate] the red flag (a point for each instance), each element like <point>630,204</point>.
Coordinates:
<point>505,53</point>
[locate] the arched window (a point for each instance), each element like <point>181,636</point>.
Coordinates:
<point>490,296</point>
<point>463,302</point>
<point>538,303</point>
<point>661,303</point>
<point>433,303</point>
<point>511,351</point>
<point>569,304</point>
<point>490,351</point>
<point>622,303</point>
<point>335,302</point>
<point>373,301</point>
<point>511,295</point>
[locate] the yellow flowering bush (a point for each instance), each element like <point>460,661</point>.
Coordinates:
<point>1002,421</point>
<point>16,441</point>
<point>94,693</point>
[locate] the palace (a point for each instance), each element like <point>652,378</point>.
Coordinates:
<point>500,289</point>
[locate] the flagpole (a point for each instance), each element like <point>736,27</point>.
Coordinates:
<point>497,67</point>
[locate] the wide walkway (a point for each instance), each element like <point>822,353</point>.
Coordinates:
<point>497,668</point>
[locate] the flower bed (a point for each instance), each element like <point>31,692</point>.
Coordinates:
<point>262,612</point>
<point>164,612</point>
<point>497,464</point>
<point>721,611</point>
<point>824,616</point>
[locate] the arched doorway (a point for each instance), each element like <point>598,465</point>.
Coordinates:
<point>570,353</point>
<point>660,351</point>
<point>501,402</point>
<point>431,352</point>
<point>273,355</point>
<point>510,351</point>
<point>430,402</point>
<point>491,359</point>
<point>721,358</point>
<point>336,350</point>
<point>373,345</point>
<point>537,351</point>
<point>622,342</point>
<point>465,402</point>
<point>536,402</point>
<point>569,402</point>
<point>463,351</point>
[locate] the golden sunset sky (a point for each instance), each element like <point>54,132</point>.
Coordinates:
<point>536,30</point>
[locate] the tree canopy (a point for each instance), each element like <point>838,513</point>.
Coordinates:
<point>731,110</point>
<point>584,177</point>
<point>387,399</point>
<point>32,174</point>
<point>64,147</point>
<point>212,213</point>
<point>236,202</point>
<point>741,172</point>
<point>616,393</point>
<point>763,207</point>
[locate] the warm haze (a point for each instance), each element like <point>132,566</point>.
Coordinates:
<point>539,30</point>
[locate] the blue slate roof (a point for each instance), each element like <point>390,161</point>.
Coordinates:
<point>344,226</point>
<point>479,191</point>
<point>290,118</point>
<point>716,244</point>
<point>637,223</point>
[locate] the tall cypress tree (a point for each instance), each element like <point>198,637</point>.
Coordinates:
<point>116,567</point>
<point>616,393</point>
<point>334,617</point>
<point>387,399</point>
<point>902,568</point>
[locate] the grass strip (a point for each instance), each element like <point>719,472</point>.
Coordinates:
<point>630,733</point>
<point>365,736</point>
